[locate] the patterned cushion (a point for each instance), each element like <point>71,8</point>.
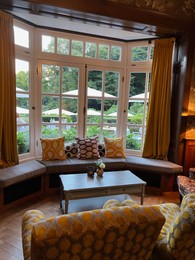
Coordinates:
<point>112,203</point>
<point>53,149</point>
<point>87,148</point>
<point>71,150</point>
<point>114,147</point>
<point>185,185</point>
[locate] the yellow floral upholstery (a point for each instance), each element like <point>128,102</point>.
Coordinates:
<point>122,233</point>
<point>113,203</point>
<point>177,237</point>
<point>30,218</point>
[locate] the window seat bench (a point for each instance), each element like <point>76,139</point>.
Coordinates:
<point>21,181</point>
<point>38,177</point>
<point>160,174</point>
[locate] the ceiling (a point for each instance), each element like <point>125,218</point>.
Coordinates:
<point>83,26</point>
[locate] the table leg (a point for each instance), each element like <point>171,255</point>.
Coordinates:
<point>66,206</point>
<point>142,195</point>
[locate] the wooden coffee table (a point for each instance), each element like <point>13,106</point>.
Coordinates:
<point>80,186</point>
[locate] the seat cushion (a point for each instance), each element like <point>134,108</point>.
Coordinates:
<point>21,172</point>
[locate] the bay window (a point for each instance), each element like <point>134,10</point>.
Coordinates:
<point>70,85</point>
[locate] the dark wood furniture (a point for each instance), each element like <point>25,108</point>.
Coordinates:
<point>189,155</point>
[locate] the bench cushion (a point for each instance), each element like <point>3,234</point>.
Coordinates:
<point>152,165</point>
<point>20,172</point>
<point>74,165</point>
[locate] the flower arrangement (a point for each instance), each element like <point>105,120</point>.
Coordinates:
<point>100,164</point>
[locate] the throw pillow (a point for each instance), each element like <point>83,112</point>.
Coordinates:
<point>114,147</point>
<point>53,149</point>
<point>87,148</point>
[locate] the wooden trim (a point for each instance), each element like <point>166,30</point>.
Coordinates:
<point>123,16</point>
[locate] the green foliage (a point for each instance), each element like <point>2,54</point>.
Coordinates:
<point>90,49</point>
<point>103,52</point>
<point>23,142</point>
<point>70,76</point>
<point>70,134</point>
<point>136,119</point>
<point>50,79</point>
<point>49,132</point>
<point>140,53</point>
<point>131,143</point>
<point>77,48</point>
<point>93,131</point>
<point>116,53</point>
<point>137,84</point>
<point>22,80</point>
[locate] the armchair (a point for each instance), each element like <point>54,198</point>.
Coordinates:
<point>121,233</point>
<point>176,240</point>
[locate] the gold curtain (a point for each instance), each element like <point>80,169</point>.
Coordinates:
<point>158,121</point>
<point>8,143</point>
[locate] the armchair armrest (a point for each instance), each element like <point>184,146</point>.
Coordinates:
<point>28,220</point>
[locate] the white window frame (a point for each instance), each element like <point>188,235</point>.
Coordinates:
<point>35,56</point>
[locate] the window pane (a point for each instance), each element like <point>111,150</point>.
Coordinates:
<point>50,79</point>
<point>50,131</point>
<point>21,37</point>
<point>137,85</point>
<point>63,46</point>
<point>50,109</point>
<point>22,110</point>
<point>95,82</point>
<point>111,84</point>
<point>136,110</point>
<point>94,111</point>
<point>70,79</point>
<point>93,131</point>
<point>139,54</point>
<point>103,52</point>
<point>110,111</point>
<point>22,75</point>
<point>151,52</point>
<point>109,131</point>
<point>133,138</point>
<point>90,49</point>
<point>77,48</point>
<point>69,132</point>
<point>23,139</point>
<point>115,53</point>
<point>69,110</point>
<point>48,43</point>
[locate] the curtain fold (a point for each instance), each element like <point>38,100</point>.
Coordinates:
<point>158,121</point>
<point>8,142</point>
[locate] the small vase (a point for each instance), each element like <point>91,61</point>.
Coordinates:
<point>100,172</point>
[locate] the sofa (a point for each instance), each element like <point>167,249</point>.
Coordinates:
<point>176,240</point>
<point>122,233</point>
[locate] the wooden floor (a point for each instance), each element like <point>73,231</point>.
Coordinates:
<point>10,219</point>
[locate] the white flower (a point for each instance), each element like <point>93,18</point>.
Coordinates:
<point>100,164</point>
